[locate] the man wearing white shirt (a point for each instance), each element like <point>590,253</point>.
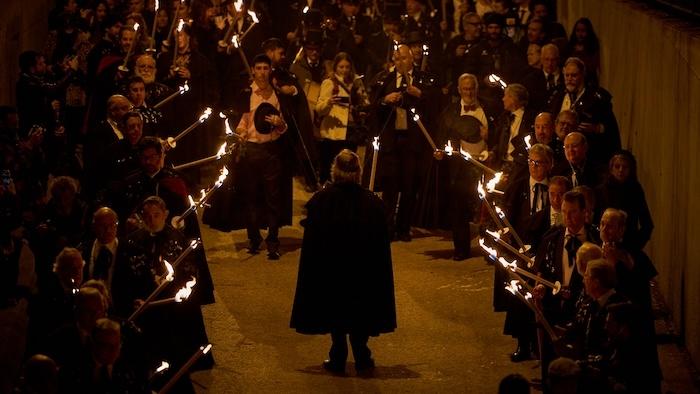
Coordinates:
<point>509,148</point>
<point>99,254</point>
<point>463,176</point>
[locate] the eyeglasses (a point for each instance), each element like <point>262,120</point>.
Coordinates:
<point>536,163</point>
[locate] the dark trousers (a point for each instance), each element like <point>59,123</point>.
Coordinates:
<point>339,348</point>
<point>328,150</point>
<point>463,182</point>
<point>402,177</point>
<point>261,167</point>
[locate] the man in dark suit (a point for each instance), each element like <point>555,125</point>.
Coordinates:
<point>580,170</point>
<point>463,176</point>
<point>555,261</point>
<point>594,109</point>
<point>508,143</point>
<point>541,83</point>
<point>99,254</point>
<point>402,144</point>
<point>107,132</point>
<point>527,208</point>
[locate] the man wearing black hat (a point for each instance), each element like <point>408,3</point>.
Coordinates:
<point>261,166</point>
<point>495,55</point>
<point>309,69</point>
<point>359,25</point>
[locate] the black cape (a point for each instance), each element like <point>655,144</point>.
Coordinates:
<point>345,279</point>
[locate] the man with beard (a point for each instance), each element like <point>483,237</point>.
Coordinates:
<point>145,68</point>
<point>594,109</point>
<point>456,49</point>
<point>541,83</point>
<point>106,45</point>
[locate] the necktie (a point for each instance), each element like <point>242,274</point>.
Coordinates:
<point>572,99</point>
<point>572,244</point>
<point>538,201</point>
<point>102,264</point>
<point>550,81</point>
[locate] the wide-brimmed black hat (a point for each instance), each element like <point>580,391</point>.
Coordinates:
<point>263,110</point>
<point>467,128</point>
<point>313,38</point>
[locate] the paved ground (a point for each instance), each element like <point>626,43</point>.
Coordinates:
<point>448,339</point>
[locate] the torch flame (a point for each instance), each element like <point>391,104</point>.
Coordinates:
<point>184,88</point>
<point>171,271</point>
<point>306,9</point>
<point>222,150</point>
<point>500,212</point>
<point>206,349</point>
<point>136,26</point>
<point>506,264</point>
<point>238,4</point>
<point>528,296</point>
<point>465,154</point>
<point>416,117</point>
<point>480,190</point>
<point>180,25</point>
<point>491,251</point>
<point>513,288</point>
<point>253,16</point>
<point>222,177</point>
<point>163,364</point>
<point>194,243</point>
<point>493,78</point>
<point>228,127</point>
<point>449,150</point>
<point>527,142</point>
<point>157,6</point>
<point>494,234</point>
<point>189,197</point>
<point>222,115</point>
<point>202,193</point>
<point>375,143</point>
<point>185,292</point>
<point>491,185</point>
<point>205,115</point>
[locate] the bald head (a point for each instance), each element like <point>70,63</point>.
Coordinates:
<point>575,148</point>
<point>550,59</point>
<point>544,128</point>
<point>117,107</point>
<point>403,59</point>
<point>104,224</point>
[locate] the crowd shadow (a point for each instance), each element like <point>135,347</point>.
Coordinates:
<point>380,372</point>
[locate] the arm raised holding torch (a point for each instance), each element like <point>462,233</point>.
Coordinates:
<point>123,67</point>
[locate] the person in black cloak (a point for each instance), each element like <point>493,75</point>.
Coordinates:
<point>346,248</point>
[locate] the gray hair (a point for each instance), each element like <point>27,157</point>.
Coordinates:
<point>519,92</point>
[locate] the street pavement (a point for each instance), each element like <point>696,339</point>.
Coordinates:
<point>448,339</point>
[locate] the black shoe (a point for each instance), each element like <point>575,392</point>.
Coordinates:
<point>520,354</point>
<point>460,257</point>
<point>365,367</point>
<point>254,247</point>
<point>405,237</point>
<point>334,367</point>
<point>273,255</point>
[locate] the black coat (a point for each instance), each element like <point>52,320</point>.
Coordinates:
<point>595,107</point>
<point>345,279</point>
<point>548,263</point>
<point>499,143</point>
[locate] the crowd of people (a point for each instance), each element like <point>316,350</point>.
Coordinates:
<point>433,98</point>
